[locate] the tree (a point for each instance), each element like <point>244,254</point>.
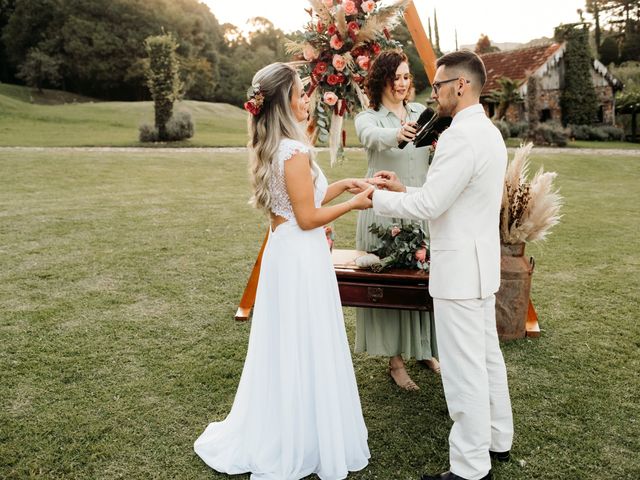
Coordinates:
<point>6,9</point>
<point>609,51</point>
<point>578,99</point>
<point>162,78</point>
<point>200,78</point>
<point>436,46</point>
<point>631,45</point>
<point>508,94</point>
<point>39,69</point>
<point>484,45</point>
<point>402,35</point>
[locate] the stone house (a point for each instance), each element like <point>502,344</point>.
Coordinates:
<point>547,64</point>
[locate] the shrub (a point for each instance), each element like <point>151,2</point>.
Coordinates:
<point>518,129</point>
<point>614,133</point>
<point>180,127</point>
<point>148,133</point>
<point>550,133</point>
<point>503,127</point>
<point>580,132</point>
<point>598,134</point>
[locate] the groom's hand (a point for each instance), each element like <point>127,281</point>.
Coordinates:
<point>387,180</point>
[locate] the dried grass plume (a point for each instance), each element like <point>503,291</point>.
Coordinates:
<point>529,209</point>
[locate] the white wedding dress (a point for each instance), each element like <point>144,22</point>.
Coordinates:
<point>297,410</point>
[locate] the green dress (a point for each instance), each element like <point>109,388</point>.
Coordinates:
<point>384,331</point>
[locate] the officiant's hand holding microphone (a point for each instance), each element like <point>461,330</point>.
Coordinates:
<point>406,133</point>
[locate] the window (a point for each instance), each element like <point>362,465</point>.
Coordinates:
<point>545,114</point>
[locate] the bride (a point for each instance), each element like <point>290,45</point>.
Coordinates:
<point>297,410</point>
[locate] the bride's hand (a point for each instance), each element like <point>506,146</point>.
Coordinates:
<point>356,185</point>
<point>364,199</point>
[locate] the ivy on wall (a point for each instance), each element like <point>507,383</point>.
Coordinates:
<point>578,99</point>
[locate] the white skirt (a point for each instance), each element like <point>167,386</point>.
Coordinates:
<point>297,409</point>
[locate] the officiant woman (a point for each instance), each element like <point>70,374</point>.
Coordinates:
<point>390,119</point>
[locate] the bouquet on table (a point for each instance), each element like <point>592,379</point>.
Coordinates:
<point>401,246</point>
<point>338,44</point>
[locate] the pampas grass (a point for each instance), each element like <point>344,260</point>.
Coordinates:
<point>529,209</point>
<point>385,17</point>
<point>341,21</point>
<point>323,12</point>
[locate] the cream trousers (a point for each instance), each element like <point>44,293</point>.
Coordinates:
<point>474,378</point>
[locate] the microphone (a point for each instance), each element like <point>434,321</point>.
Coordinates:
<point>425,117</point>
<point>430,133</point>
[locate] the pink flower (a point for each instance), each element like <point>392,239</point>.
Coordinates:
<point>320,27</point>
<point>330,98</point>
<point>350,7</point>
<point>309,53</point>
<point>336,43</point>
<point>421,254</point>
<point>363,62</point>
<point>328,3</point>
<point>395,231</point>
<point>339,62</point>
<point>368,6</point>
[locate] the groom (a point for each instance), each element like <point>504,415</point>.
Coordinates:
<point>461,199</point>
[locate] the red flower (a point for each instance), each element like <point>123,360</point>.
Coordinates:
<point>353,27</point>
<point>321,67</point>
<point>251,107</point>
<point>357,78</point>
<point>376,49</point>
<point>333,79</point>
<point>341,78</point>
<point>320,27</point>
<point>332,29</point>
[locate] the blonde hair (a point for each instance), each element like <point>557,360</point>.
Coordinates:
<point>274,122</point>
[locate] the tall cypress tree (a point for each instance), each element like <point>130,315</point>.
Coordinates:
<point>578,99</point>
<point>436,33</point>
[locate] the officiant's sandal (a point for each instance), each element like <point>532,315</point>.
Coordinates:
<point>432,364</point>
<point>408,385</point>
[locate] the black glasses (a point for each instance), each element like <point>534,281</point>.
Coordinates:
<point>436,85</point>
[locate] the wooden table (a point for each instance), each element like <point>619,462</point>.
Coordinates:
<point>395,288</point>
<point>406,289</point>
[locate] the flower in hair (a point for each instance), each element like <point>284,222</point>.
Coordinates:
<point>256,99</point>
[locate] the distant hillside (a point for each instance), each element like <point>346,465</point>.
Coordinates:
<point>57,118</point>
<point>46,97</point>
<point>505,46</point>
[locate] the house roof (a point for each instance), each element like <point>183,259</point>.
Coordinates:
<point>515,64</point>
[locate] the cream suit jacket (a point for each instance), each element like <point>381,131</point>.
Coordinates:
<point>461,200</point>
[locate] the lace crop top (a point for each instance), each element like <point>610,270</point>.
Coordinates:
<point>280,203</point>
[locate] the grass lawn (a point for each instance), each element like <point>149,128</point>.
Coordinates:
<point>119,277</point>
<point>56,118</point>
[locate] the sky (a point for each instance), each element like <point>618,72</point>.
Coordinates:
<point>502,20</point>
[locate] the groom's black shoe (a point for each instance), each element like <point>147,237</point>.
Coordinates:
<point>451,476</point>
<point>500,456</point>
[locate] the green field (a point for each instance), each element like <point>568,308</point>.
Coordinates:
<point>120,274</point>
<point>56,118</point>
